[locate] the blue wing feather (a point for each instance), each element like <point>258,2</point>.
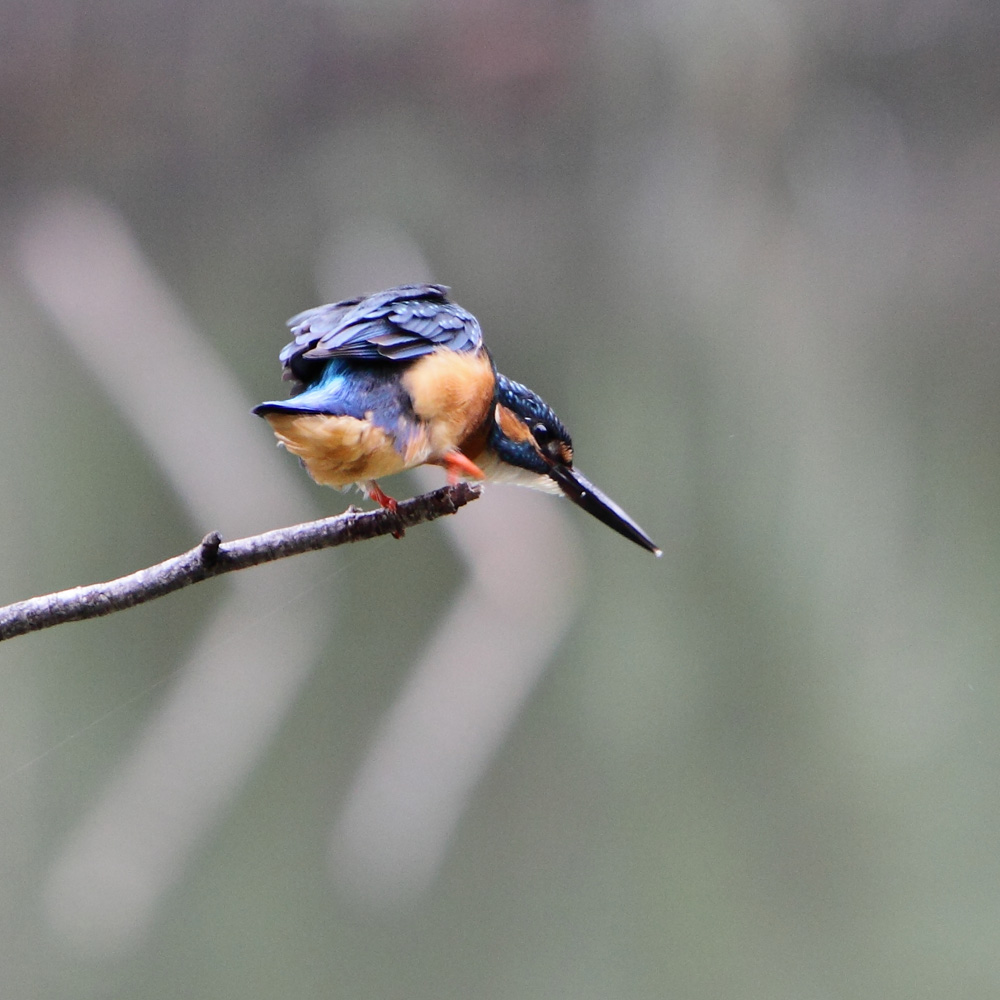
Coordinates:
<point>398,324</point>
<point>344,358</point>
<point>371,392</point>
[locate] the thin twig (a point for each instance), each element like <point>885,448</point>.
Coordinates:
<point>213,557</point>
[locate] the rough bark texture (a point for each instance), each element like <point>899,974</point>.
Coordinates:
<point>213,557</point>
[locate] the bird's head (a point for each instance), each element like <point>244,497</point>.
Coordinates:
<point>533,448</point>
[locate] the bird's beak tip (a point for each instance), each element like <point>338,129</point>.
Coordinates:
<point>584,494</point>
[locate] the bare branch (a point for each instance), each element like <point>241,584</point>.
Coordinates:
<point>213,557</point>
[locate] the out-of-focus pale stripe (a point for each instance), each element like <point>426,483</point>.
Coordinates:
<point>87,272</point>
<point>469,685</point>
<point>463,696</point>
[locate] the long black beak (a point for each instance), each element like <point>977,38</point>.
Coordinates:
<point>586,495</point>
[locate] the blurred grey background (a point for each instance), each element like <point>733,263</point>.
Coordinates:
<point>749,253</point>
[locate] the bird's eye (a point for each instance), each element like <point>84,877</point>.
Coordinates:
<point>547,441</point>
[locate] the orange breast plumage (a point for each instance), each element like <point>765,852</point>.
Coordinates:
<point>447,398</point>
<point>337,450</point>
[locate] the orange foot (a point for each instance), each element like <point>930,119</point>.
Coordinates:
<point>374,492</point>
<point>459,465</point>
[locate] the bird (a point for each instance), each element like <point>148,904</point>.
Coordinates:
<point>401,378</point>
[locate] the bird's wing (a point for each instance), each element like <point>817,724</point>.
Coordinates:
<point>398,324</point>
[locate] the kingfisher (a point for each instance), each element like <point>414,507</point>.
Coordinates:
<point>401,378</point>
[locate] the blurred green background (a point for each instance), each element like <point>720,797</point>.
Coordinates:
<point>749,253</point>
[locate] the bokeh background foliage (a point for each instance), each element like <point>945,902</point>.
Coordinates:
<point>749,253</point>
